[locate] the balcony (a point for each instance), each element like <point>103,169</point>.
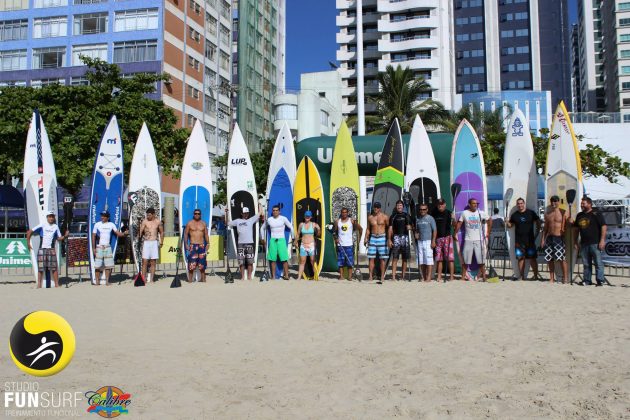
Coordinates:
<point>345,20</point>
<point>413,63</point>
<point>343,55</point>
<point>346,38</point>
<point>388,6</point>
<point>418,22</point>
<point>413,43</point>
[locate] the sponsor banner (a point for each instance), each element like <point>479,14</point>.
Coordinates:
<point>617,249</point>
<point>168,253</point>
<point>77,252</point>
<point>14,253</point>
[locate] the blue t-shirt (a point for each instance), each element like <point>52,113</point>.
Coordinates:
<point>425,226</point>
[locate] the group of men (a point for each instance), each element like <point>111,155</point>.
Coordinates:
<point>386,237</point>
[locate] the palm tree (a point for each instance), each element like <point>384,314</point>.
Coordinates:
<point>398,97</point>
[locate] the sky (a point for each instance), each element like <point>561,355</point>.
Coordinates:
<point>311,33</point>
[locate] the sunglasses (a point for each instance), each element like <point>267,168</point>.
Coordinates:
<point>197,214</point>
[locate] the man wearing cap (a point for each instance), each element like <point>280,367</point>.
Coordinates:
<point>245,245</point>
<point>102,248</point>
<point>376,240</point>
<point>152,235</point>
<point>195,239</point>
<point>46,255</point>
<point>444,222</point>
<point>277,246</point>
<point>552,242</point>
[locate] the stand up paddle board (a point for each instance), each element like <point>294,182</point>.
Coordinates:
<point>280,185</point>
<point>519,174</point>
<point>195,184</point>
<point>344,182</point>
<point>468,179</point>
<point>241,187</point>
<point>421,179</point>
<point>40,188</point>
<point>144,190</point>
<point>308,194</point>
<point>564,175</point>
<point>107,188</point>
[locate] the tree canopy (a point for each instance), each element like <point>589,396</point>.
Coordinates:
<point>76,116</point>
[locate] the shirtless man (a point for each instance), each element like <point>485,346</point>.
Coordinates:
<point>376,240</point>
<point>150,228</point>
<point>552,242</point>
<point>195,239</point>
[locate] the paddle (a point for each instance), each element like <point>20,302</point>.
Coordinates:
<point>407,200</point>
<point>507,197</point>
<point>455,190</point>
<point>176,282</point>
<point>570,199</point>
<point>228,278</point>
<point>265,275</point>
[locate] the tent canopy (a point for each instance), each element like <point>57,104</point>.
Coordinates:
<point>11,197</point>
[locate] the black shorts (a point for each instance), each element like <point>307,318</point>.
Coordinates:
<point>400,248</point>
<point>527,251</point>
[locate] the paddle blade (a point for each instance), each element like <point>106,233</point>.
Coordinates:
<point>455,190</point>
<point>138,281</point>
<point>570,196</point>
<point>493,277</point>
<point>507,197</point>
<point>176,283</point>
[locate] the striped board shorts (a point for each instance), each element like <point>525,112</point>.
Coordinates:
<point>47,259</point>
<point>104,257</point>
<point>378,243</point>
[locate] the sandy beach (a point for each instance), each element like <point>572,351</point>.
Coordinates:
<point>325,349</point>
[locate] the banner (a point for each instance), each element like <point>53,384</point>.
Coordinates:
<point>617,249</point>
<point>168,253</point>
<point>77,252</point>
<point>14,253</point>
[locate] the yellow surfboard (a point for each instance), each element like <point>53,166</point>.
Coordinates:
<point>308,194</point>
<point>344,180</point>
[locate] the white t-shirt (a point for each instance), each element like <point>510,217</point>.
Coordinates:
<point>49,234</point>
<point>344,232</point>
<point>104,232</point>
<point>277,225</point>
<point>473,224</point>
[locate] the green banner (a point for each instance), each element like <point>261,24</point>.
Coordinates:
<point>14,253</point>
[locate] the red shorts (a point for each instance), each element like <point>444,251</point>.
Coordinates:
<point>444,249</point>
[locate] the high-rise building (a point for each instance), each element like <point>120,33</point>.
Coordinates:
<point>615,18</point>
<point>576,84</point>
<point>259,65</point>
<point>414,34</point>
<point>591,57</point>
<point>41,42</point>
<point>506,45</point>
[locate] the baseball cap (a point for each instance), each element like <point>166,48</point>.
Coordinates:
<point>308,213</point>
<point>245,209</point>
<point>105,213</point>
<point>377,204</point>
<point>555,198</point>
<point>50,213</point>
<point>441,201</point>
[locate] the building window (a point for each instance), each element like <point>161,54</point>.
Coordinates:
<point>190,120</point>
<point>211,24</point>
<point>92,51</point>
<point>624,6</point>
<point>624,38</point>
<point>50,27</point>
<point>210,104</point>
<point>626,117</point>
<point>136,20</point>
<point>192,92</point>
<point>521,32</point>
<point>225,61</point>
<point>194,34</point>
<point>625,69</point>
<point>13,30</point>
<point>79,81</point>
<point>286,112</point>
<point>89,1</point>
<point>211,50</point>
<point>91,23</point>
<point>194,63</point>
<point>13,83</point>
<point>323,118</point>
<point>49,3</point>
<point>624,22</point>
<point>194,6</point>
<point>45,58</point>
<point>507,34</point>
<point>624,54</point>
<point>46,82</point>
<point>224,35</point>
<point>8,5</point>
<point>626,102</point>
<point>13,60</point>
<point>133,51</point>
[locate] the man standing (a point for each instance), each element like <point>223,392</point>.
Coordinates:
<point>444,240</point>
<point>398,235</point>
<point>103,256</point>
<point>426,234</point>
<point>592,229</point>
<point>344,229</point>
<point>375,239</point>
<point>475,241</point>
<point>46,255</point>
<point>552,242</point>
<point>196,240</point>
<point>245,244</point>
<point>152,230</point>
<point>523,221</point>
<point>277,246</point>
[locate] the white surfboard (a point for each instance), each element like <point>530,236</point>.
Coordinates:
<point>195,185</point>
<point>144,190</point>
<point>40,187</point>
<point>421,177</point>
<point>519,174</point>
<point>241,186</point>
<point>281,178</point>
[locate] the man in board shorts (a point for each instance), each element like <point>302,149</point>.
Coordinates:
<point>344,229</point>
<point>523,221</point>
<point>475,240</point>
<point>376,239</point>
<point>399,227</point>
<point>245,246</point>
<point>552,242</point>
<point>277,247</point>
<point>101,240</point>
<point>196,239</point>
<point>47,256</point>
<point>444,241</point>
<point>152,230</point>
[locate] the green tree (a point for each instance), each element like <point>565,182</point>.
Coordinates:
<point>398,97</point>
<point>76,116</point>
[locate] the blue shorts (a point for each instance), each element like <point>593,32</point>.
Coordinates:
<point>528,251</point>
<point>347,259</point>
<point>378,243</point>
<point>307,251</point>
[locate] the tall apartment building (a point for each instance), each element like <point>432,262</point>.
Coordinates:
<point>591,57</point>
<point>41,41</point>
<point>506,45</point>
<point>259,65</point>
<point>411,33</point>
<point>615,16</point>
<point>576,84</point>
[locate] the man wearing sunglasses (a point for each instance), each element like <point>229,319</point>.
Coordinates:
<point>277,247</point>
<point>426,234</point>
<point>245,246</point>
<point>196,239</point>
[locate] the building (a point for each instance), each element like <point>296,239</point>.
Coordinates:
<point>512,45</point>
<point>615,16</point>
<point>591,58</point>
<point>414,34</point>
<point>259,65</point>
<point>576,83</point>
<point>41,41</point>
<point>313,111</point>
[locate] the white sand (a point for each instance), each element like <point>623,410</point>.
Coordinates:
<point>326,350</point>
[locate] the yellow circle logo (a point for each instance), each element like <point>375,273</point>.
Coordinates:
<point>42,343</point>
